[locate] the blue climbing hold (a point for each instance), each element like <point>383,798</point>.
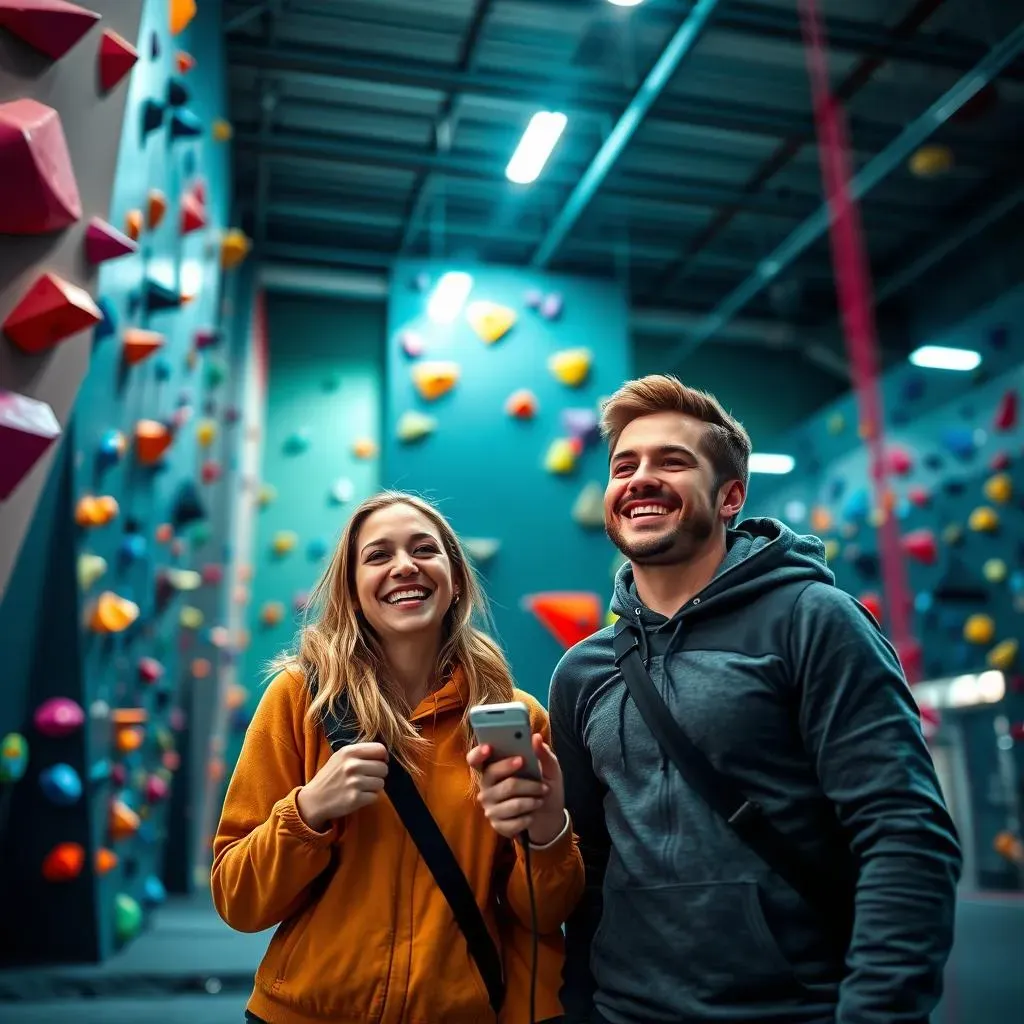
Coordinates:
<point>153,891</point>
<point>316,549</point>
<point>162,368</point>
<point>913,387</point>
<point>132,549</point>
<point>857,505</point>
<point>958,441</point>
<point>61,785</point>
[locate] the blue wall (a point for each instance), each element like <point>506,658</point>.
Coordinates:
<point>486,469</point>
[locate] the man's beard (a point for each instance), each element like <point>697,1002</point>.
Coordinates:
<point>674,546</point>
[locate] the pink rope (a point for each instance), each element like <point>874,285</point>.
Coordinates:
<point>856,302</point>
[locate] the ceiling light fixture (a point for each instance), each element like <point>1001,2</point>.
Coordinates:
<point>449,296</point>
<point>939,357</point>
<point>543,131</point>
<point>776,465</point>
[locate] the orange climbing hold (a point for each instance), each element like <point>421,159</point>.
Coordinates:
<point>138,345</point>
<point>156,207</point>
<point>133,224</point>
<point>129,738</point>
<point>434,379</point>
<point>569,616</point>
<point>93,511</point>
<point>184,62</point>
<point>50,311</point>
<point>152,439</point>
<point>112,613</point>
<point>64,862</point>
<point>105,861</point>
<point>181,14</point>
<point>522,404</point>
<point>124,822</point>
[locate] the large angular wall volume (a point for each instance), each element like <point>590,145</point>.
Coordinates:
<point>51,26</point>
<point>51,310</point>
<point>27,428</point>
<point>38,191</point>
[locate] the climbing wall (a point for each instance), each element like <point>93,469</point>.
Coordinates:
<point>493,412</point>
<point>956,483</point>
<point>124,321</point>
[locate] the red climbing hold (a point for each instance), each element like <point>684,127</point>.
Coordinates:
<point>873,603</point>
<point>918,496</point>
<point>920,545</point>
<point>50,311</point>
<point>1006,412</point>
<point>50,26</point>
<point>193,216</point>
<point>117,58</point>
<point>899,461</point>
<point>570,617</point>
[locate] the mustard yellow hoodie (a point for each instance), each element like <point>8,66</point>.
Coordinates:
<point>364,933</point>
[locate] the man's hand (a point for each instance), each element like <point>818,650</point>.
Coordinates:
<point>513,805</point>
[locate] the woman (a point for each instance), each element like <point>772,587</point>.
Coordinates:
<point>306,842</point>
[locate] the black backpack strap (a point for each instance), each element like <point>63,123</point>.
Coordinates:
<point>722,794</point>
<point>401,790</point>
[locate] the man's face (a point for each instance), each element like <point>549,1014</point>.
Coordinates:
<point>660,505</point>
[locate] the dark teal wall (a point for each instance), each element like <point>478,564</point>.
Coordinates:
<point>324,388</point>
<point>486,469</point>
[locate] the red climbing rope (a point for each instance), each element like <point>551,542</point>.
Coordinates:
<point>856,303</point>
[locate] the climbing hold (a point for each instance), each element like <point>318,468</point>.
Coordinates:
<point>297,442</point>
<point>193,214</point>
<point>158,297</point>
<point>412,343</point>
<point>138,345</point>
<point>931,161</point>
<point>588,509</point>
<point>215,372</point>
<point>794,512</point>
<point>184,62</point>
<point>152,439</point>
<point>1006,412</point>
<point>104,242</point>
<point>316,549</point>
<point>37,168</point>
<point>234,247</point>
<point>58,717</point>
<point>918,496</point>
<point>267,495</point>
<point>185,125</point>
<point>979,629</point>
<point>190,617</point>
<point>831,549</point>
<point>551,306</point>
<point>50,26</point>
<point>999,488</point>
<point>127,917</point>
<point>13,757</point>
<point>132,549</point>
<point>569,616</point>
<point>342,491</point>
<point>236,697</point>
<point>994,570</point>
<point>211,574</point>
<point>153,892</point>
<point>112,614</point>
<point>920,545</point>
<point>364,448</point>
<point>560,457</point>
<point>857,504</point>
<point>522,404</point>
<point>873,603</point>
<point>60,784</point>
<point>187,506</point>
<point>200,668</point>
<point>116,58</point>
<point>156,208</point>
<point>182,581</point>
<point>181,14</point>
<point>133,224</point>
<point>899,461</point>
<point>489,320</point>
<point>414,426</point>
<point>481,549</point>
<point>177,93</point>
<point>821,519</point>
<point>434,379</point>
<point>205,337</point>
<point>105,861</point>
<point>284,541</point>
<point>300,602</point>
<point>952,534</point>
<point>581,424</point>
<point>111,448</point>
<point>27,429</point>
<point>150,670</point>
<point>271,613</point>
<point>211,471</point>
<point>958,441</point>
<point>92,511</point>
<point>164,533</point>
<point>222,130</point>
<point>983,520</point>
<point>90,569</point>
<point>836,423</point>
<point>49,312</point>
<point>571,366</point>
<point>206,433</point>
<point>64,862</point>
<point>532,298</point>
<point>1003,655</point>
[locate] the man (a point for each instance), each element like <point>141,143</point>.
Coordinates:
<point>787,686</point>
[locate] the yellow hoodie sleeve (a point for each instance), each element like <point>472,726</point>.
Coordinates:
<point>264,855</point>
<point>557,869</point>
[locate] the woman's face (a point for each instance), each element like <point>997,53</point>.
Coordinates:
<point>403,575</point>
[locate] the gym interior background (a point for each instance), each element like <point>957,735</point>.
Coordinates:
<point>260,259</point>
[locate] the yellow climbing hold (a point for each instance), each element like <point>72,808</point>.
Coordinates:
<point>190,617</point>
<point>284,541</point>
<point>267,494</point>
<point>931,161</point>
<point>183,580</point>
<point>206,432</point>
<point>490,321</point>
<point>364,448</point>
<point>999,488</point>
<point>571,366</point>
<point>222,130</point>
<point>831,550</point>
<point>1003,655</point>
<point>234,247</point>
<point>979,629</point>
<point>90,569</point>
<point>435,378</point>
<point>835,424</point>
<point>413,426</point>
<point>994,570</point>
<point>561,457</point>
<point>983,520</point>
<point>588,509</point>
<point>877,517</point>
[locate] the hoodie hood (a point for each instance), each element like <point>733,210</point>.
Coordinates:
<point>761,554</point>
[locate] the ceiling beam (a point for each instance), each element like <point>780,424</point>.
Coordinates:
<point>877,170</point>
<point>664,69</point>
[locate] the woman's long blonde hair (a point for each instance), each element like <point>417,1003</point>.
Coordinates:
<point>339,650</point>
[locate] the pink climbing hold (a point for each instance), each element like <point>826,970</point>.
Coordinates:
<point>27,429</point>
<point>104,242</point>
<point>50,26</point>
<point>150,670</point>
<point>899,461</point>
<point>1006,412</point>
<point>156,789</point>
<point>58,717</point>
<point>37,169</point>
<point>918,496</point>
<point>1000,462</point>
<point>920,545</point>
<point>117,58</point>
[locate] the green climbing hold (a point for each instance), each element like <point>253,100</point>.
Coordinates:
<point>127,917</point>
<point>215,372</point>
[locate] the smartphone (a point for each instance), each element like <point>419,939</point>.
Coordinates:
<point>505,728</point>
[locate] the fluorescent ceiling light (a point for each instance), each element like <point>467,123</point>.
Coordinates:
<point>938,357</point>
<point>777,465</point>
<point>543,131</point>
<point>449,296</point>
<point>626,3</point>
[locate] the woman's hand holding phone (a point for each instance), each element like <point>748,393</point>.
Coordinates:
<point>513,804</point>
<point>353,777</point>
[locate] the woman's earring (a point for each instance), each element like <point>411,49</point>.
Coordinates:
<point>455,600</point>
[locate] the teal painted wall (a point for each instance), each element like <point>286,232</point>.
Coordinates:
<point>325,387</point>
<point>486,469</point>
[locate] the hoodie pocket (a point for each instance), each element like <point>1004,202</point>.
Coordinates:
<point>689,947</point>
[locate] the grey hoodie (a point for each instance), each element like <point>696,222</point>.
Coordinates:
<point>787,685</point>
